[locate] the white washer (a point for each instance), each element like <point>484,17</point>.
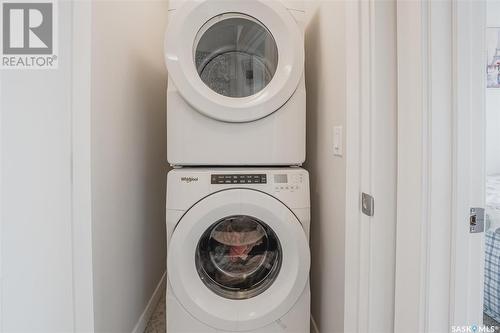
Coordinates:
<point>238,250</point>
<point>236,90</point>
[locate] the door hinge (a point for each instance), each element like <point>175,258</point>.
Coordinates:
<point>367,204</point>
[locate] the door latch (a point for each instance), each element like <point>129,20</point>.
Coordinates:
<point>476,220</point>
<point>367,204</point>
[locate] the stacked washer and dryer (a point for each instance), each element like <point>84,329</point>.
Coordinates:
<point>238,210</point>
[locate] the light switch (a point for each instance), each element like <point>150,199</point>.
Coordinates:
<point>337,141</point>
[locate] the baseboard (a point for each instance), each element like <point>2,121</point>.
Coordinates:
<point>150,307</point>
<point>314,327</point>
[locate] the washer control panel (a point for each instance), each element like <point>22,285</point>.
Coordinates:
<point>239,178</point>
<point>287,182</point>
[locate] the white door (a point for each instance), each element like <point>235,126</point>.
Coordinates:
<point>234,61</point>
<point>238,260</point>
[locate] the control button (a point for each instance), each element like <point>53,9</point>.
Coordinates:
<point>239,179</point>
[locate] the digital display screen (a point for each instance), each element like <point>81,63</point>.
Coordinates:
<point>281,179</point>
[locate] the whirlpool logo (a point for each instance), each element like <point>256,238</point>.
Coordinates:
<point>29,34</point>
<point>189,179</point>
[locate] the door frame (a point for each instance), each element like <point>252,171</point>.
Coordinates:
<point>467,278</point>
<point>371,164</point>
<point>441,106</point>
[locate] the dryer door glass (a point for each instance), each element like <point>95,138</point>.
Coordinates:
<point>238,257</point>
<point>235,55</point>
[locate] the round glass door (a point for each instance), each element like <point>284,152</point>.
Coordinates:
<point>238,257</point>
<point>235,55</point>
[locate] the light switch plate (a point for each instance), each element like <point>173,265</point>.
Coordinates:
<point>337,141</point>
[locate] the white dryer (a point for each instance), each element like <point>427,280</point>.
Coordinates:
<point>236,90</point>
<point>238,251</point>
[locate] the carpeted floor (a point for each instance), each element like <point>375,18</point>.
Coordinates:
<point>157,322</point>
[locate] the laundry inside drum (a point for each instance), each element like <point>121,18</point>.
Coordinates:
<point>238,257</point>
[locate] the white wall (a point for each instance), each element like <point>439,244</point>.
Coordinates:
<point>66,168</point>
<point>325,79</point>
<point>493,105</point>
<point>128,158</point>
<point>36,194</point>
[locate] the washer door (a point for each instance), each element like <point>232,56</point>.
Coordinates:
<point>234,61</point>
<point>238,260</point>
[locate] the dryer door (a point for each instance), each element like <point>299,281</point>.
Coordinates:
<point>238,260</point>
<point>234,61</point>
